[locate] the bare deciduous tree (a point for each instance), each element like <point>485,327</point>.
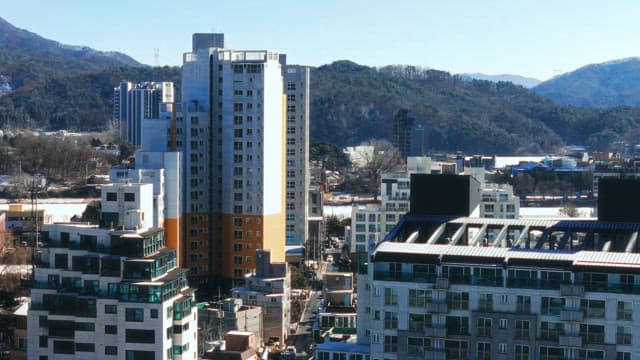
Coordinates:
<point>570,210</point>
<point>375,158</point>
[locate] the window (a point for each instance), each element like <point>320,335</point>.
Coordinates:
<point>63,347</point>
<point>154,313</point>
<point>111,350</point>
<point>391,344</point>
<point>551,330</point>
<point>484,351</point>
<point>140,336</point>
<point>61,261</point>
<point>85,347</point>
<point>110,309</point>
<point>590,354</point>
<point>457,274</point>
<point>419,297</point>
<point>523,304</point>
<point>134,314</point>
<point>503,324</point>
<point>129,197</point>
<point>417,322</point>
<point>43,341</point>
<point>458,300</point>
<point>626,282</point>
<point>551,353</point>
<point>484,327</point>
<point>623,335</point>
<point>592,334</point>
<point>593,308</point>
<point>417,346</point>
<point>502,348</point>
<point>84,326</point>
<point>522,329</point>
<point>390,296</point>
<point>485,303</point>
<point>522,352</point>
<point>595,281</point>
<point>625,310</point>
<point>111,196</point>
<point>623,355</point>
<point>551,305</point>
<point>390,320</point>
<point>110,329</point>
<point>456,349</point>
<point>140,355</point>
<point>457,325</point>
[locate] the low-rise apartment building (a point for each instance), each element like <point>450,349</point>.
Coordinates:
<point>270,289</point>
<point>111,292</point>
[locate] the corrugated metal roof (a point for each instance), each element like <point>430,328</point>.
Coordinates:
<point>547,223</point>
<point>576,258</point>
<point>588,257</point>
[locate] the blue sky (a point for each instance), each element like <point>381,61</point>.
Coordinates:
<point>538,38</point>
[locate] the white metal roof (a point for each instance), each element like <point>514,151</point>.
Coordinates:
<point>584,258</point>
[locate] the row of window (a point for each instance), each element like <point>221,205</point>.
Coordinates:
<point>113,196</point>
<point>458,349</point>
<point>552,306</point>
<point>518,278</point>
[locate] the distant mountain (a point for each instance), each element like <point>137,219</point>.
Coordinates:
<point>352,103</point>
<point>44,84</point>
<point>27,59</point>
<point>614,83</point>
<point>516,79</point>
<point>26,42</point>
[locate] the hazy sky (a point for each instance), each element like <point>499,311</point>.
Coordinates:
<point>538,38</point>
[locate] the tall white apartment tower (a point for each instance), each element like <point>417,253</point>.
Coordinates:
<point>297,198</point>
<point>233,115</point>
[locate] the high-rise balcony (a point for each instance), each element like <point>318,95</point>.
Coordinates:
<point>572,290</point>
<point>436,308</point>
<point>570,341</point>
<point>442,283</point>
<point>438,331</point>
<point>435,354</point>
<point>571,315</point>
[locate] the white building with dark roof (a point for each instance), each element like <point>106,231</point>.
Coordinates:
<point>438,288</point>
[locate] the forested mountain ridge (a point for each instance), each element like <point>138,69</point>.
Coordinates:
<point>352,103</point>
<point>44,84</point>
<point>605,85</point>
